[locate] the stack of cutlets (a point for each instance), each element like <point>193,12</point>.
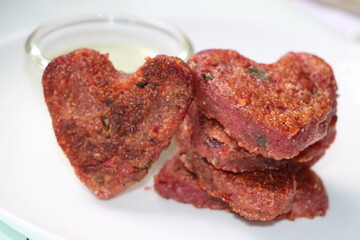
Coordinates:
<point>251,136</point>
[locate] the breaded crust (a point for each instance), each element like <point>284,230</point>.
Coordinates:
<point>176,182</point>
<point>276,110</point>
<point>112,126</point>
<point>311,199</point>
<point>208,138</point>
<point>256,195</point>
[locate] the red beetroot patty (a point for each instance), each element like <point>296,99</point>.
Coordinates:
<point>208,138</point>
<point>275,110</point>
<point>176,182</point>
<point>311,199</point>
<point>256,195</point>
<point>112,126</point>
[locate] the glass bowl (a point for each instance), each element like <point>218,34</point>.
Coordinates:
<point>127,39</point>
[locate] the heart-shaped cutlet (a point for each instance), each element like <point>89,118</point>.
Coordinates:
<point>175,181</point>
<point>208,138</point>
<point>275,110</point>
<point>112,126</point>
<point>255,195</point>
<point>311,199</point>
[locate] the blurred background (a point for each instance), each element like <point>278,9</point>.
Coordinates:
<point>338,14</point>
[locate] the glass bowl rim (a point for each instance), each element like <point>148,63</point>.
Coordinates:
<point>35,54</point>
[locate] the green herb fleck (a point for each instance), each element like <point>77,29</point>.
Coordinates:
<point>213,142</point>
<point>133,128</point>
<point>314,91</point>
<point>142,84</point>
<point>106,124</point>
<point>148,165</point>
<point>258,73</point>
<point>213,161</point>
<point>89,146</point>
<point>261,141</point>
<point>99,179</point>
<point>208,76</point>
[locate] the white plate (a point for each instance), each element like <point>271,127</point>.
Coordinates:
<point>41,197</point>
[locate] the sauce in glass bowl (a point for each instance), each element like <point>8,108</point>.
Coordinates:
<point>127,39</point>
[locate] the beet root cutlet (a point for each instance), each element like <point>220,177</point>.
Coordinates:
<point>276,110</point>
<point>112,126</point>
<point>208,138</point>
<point>252,134</point>
<point>311,199</point>
<point>175,181</point>
<point>255,195</point>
